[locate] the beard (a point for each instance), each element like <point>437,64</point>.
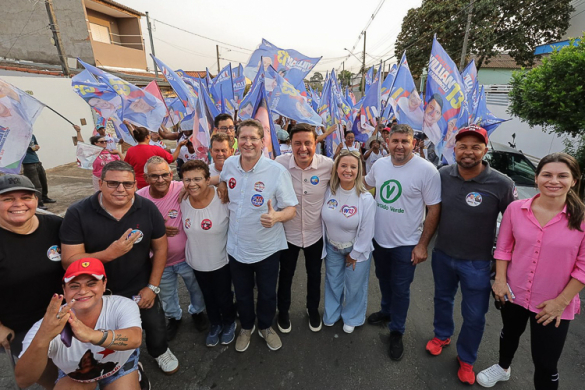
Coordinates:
<point>468,165</point>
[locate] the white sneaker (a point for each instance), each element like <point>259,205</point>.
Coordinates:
<point>168,362</point>
<point>348,328</point>
<point>492,375</point>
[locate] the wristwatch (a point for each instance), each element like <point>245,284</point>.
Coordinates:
<point>155,289</point>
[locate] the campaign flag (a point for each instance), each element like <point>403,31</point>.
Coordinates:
<point>239,84</point>
<point>329,113</point>
<point>208,102</point>
<point>370,110</point>
<point>315,99</point>
<point>289,63</point>
<point>223,87</point>
<point>344,107</point>
<point>201,129</point>
<point>469,76</point>
<point>18,113</point>
<point>287,101</point>
<point>141,108</point>
<point>445,94</point>
<point>405,99</point>
<point>369,78</point>
<point>387,85</point>
<point>248,104</point>
<point>483,116</point>
<point>177,112</point>
<point>86,155</point>
<point>102,98</point>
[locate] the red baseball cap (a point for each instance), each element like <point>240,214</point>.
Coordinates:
<point>86,266</point>
<point>476,130</point>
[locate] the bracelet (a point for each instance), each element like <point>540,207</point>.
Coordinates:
<point>113,338</point>
<point>104,337</point>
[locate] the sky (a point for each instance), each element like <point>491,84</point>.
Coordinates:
<point>313,27</point>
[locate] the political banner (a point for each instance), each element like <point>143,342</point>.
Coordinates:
<point>370,111</point>
<point>369,78</point>
<point>223,87</point>
<point>86,155</point>
<point>483,116</point>
<point>387,86</point>
<point>18,113</point>
<point>329,113</point>
<point>248,104</point>
<point>201,129</point>
<point>289,63</point>
<point>405,99</point>
<point>239,85</point>
<point>103,100</point>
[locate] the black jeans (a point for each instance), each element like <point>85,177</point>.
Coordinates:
<point>216,287</point>
<point>546,344</point>
<point>36,173</point>
<point>155,327</point>
<point>266,274</point>
<point>288,264</point>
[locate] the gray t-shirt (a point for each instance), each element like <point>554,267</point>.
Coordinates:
<point>469,211</point>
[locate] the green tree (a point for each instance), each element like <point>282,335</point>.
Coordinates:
<point>345,78</point>
<point>515,27</point>
<point>316,81</point>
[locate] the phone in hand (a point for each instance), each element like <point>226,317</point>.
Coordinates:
<point>67,335</point>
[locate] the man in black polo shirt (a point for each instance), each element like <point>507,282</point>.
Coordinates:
<point>473,195</point>
<point>121,229</point>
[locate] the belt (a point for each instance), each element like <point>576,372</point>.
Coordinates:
<point>340,245</point>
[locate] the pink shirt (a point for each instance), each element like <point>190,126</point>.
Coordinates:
<point>101,160</point>
<point>542,259</point>
<point>170,209</point>
<point>310,185</point>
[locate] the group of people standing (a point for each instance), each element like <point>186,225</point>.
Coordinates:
<point>242,222</point>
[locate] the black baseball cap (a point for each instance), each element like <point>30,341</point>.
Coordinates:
<point>10,183</point>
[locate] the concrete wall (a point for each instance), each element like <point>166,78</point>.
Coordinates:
<point>577,21</point>
<point>29,19</point>
<point>490,76</point>
<point>52,132</point>
<point>118,56</point>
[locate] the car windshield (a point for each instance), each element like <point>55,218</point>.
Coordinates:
<point>516,166</point>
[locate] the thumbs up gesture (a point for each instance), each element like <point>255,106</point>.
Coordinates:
<point>270,218</point>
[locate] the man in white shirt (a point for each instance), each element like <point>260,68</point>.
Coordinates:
<point>261,199</point>
<point>405,184</point>
<point>220,150</point>
<point>310,174</point>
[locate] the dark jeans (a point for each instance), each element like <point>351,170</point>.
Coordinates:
<point>36,173</point>
<point>288,264</point>
<point>155,327</point>
<point>546,343</point>
<point>216,287</point>
<point>265,273</point>
<point>395,273</point>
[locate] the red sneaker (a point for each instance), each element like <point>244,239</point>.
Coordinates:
<point>435,346</point>
<point>465,373</point>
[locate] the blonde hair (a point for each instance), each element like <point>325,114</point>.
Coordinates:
<point>359,181</point>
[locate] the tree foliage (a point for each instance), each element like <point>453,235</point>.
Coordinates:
<point>316,81</point>
<point>345,77</point>
<point>515,27</point>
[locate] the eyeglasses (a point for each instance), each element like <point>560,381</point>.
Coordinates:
<point>156,177</point>
<point>253,140</point>
<point>194,180</point>
<point>115,184</point>
<point>226,128</point>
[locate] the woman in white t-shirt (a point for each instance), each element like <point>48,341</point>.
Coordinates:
<point>205,222</point>
<point>92,339</point>
<point>374,153</point>
<point>348,229</point>
<point>349,144</point>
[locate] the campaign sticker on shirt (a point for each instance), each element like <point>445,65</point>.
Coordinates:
<point>473,199</point>
<point>232,183</point>
<point>332,203</point>
<point>315,180</point>
<point>139,236</point>
<point>54,253</point>
<point>348,211</point>
<point>259,186</point>
<point>173,213</point>
<point>187,223</point>
<point>206,224</point>
<point>257,200</point>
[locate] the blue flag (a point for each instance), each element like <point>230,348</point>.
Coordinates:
<point>483,117</point>
<point>387,85</point>
<point>370,111</point>
<point>239,84</point>
<point>289,63</point>
<point>369,78</point>
<point>100,96</point>
<point>329,113</point>
<point>405,99</point>
<point>223,87</point>
<point>248,104</point>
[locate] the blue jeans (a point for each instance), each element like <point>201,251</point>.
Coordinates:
<point>346,289</point>
<point>474,276</point>
<point>395,273</point>
<point>169,294</point>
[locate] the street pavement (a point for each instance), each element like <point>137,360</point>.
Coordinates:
<point>331,359</point>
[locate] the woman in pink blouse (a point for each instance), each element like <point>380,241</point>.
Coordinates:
<point>540,270</point>
<point>102,159</point>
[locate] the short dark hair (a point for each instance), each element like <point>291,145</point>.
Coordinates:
<point>119,166</point>
<point>251,123</point>
<point>219,137</point>
<point>221,117</point>
<point>93,140</point>
<point>193,165</point>
<point>140,133</point>
<point>403,129</point>
<point>302,127</point>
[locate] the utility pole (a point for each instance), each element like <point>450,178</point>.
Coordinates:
<point>151,43</point>
<point>57,37</point>
<point>464,50</point>
<point>364,67</point>
<point>217,50</point>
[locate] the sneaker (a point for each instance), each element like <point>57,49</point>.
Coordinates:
<point>142,379</point>
<point>213,336</point>
<point>465,372</point>
<point>272,339</point>
<point>283,322</point>
<point>168,362</point>
<point>49,200</point>
<point>396,350</point>
<point>378,318</point>
<point>172,328</point>
<point>348,328</point>
<point>436,345</point>
<point>314,320</point>
<point>228,334</point>
<point>492,375</point>
<point>42,206</point>
<point>243,341</point>
<point>200,320</point>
